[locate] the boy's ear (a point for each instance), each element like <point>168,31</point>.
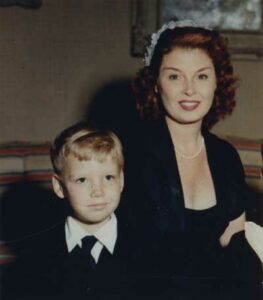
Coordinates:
<point>57,186</point>
<point>122,180</point>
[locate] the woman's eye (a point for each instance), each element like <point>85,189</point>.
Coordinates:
<point>81,180</point>
<point>109,177</point>
<point>173,76</point>
<point>202,76</point>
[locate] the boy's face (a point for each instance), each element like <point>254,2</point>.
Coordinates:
<point>92,188</point>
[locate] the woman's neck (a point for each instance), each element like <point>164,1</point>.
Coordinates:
<point>186,138</point>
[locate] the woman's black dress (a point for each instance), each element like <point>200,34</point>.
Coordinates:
<point>184,256</point>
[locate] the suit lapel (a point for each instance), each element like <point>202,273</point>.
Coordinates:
<point>110,272</point>
<point>217,168</point>
<point>165,185</point>
<point>66,270</point>
<point>107,274</point>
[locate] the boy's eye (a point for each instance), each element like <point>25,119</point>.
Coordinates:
<point>202,76</point>
<point>173,76</point>
<point>81,180</point>
<point>109,177</point>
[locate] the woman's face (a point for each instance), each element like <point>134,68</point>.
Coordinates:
<point>186,84</point>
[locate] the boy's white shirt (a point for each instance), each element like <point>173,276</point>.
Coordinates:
<point>106,236</point>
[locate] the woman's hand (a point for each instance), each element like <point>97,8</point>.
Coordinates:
<point>233,227</point>
<point>254,235</point>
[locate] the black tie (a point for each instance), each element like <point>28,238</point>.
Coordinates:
<point>87,244</point>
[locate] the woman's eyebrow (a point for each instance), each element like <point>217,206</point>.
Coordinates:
<point>170,69</point>
<point>179,70</point>
<point>204,69</point>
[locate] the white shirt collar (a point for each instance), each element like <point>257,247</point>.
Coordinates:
<point>106,235</point>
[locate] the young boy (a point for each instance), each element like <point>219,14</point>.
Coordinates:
<point>88,253</point>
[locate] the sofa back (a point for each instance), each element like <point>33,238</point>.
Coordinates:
<point>26,196</point>
<point>30,162</point>
<point>22,161</point>
<point>27,202</point>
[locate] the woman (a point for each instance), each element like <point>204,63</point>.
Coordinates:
<point>191,183</point>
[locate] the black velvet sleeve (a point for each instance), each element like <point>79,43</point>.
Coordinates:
<point>237,191</point>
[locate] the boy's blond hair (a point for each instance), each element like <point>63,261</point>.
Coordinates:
<point>85,143</point>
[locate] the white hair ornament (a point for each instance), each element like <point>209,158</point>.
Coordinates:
<point>170,25</point>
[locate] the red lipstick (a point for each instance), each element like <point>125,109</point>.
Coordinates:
<point>189,105</point>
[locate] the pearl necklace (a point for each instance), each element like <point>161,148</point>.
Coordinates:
<point>192,156</point>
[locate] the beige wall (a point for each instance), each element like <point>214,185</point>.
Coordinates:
<point>247,119</point>
<point>54,59</point>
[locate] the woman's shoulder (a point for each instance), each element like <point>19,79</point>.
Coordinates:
<point>223,152</point>
<point>219,143</point>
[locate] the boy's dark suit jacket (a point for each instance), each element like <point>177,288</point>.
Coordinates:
<point>44,269</point>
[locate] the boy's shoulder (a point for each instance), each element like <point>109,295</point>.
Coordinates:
<point>49,240</point>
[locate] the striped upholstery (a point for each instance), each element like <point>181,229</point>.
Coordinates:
<point>6,255</point>
<point>251,153</point>
<point>20,161</point>
<point>11,164</point>
<point>30,161</point>
<point>37,166</point>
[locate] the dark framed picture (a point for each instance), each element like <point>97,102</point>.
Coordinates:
<point>240,21</point>
<point>23,3</point>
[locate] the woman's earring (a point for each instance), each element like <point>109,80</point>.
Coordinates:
<point>156,89</point>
